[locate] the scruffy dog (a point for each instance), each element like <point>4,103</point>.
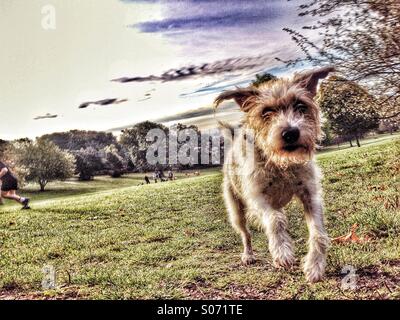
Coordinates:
<point>285,125</point>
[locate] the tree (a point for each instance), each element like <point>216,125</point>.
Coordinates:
<point>3,147</point>
<point>134,140</point>
<point>390,125</point>
<point>80,139</point>
<point>87,147</point>
<point>43,162</point>
<point>361,38</point>
<point>328,133</point>
<point>188,138</point>
<point>88,162</point>
<point>8,156</point>
<point>263,78</point>
<point>116,163</point>
<point>348,107</point>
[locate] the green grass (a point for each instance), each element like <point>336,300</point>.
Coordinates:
<point>72,187</point>
<point>109,239</point>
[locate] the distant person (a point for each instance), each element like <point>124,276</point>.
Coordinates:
<point>161,176</point>
<point>9,186</point>
<point>155,176</point>
<point>170,175</point>
<point>158,175</point>
<point>146,178</point>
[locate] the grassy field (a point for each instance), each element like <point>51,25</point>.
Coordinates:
<point>72,187</point>
<point>115,239</point>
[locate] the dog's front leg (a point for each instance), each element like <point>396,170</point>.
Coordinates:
<point>315,260</point>
<point>275,225</point>
<point>280,243</point>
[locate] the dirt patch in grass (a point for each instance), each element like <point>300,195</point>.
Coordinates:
<point>66,293</point>
<point>203,290</point>
<point>160,239</point>
<point>373,282</point>
<point>378,282</point>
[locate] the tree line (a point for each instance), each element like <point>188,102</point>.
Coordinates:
<point>61,155</point>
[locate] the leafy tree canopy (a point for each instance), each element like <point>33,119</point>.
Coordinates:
<point>43,161</point>
<point>349,108</point>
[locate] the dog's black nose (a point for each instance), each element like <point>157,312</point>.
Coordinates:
<point>291,135</point>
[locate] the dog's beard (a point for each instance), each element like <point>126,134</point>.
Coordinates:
<point>284,156</point>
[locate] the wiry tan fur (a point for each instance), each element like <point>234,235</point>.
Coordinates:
<point>258,190</point>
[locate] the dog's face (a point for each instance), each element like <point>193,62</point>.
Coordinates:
<point>283,115</point>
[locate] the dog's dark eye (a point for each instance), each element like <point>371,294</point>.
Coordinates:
<point>300,107</point>
<point>267,112</point>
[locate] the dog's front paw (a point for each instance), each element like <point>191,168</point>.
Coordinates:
<point>248,259</point>
<point>314,270</point>
<point>284,258</point>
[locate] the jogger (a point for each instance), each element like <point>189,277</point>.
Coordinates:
<point>9,186</point>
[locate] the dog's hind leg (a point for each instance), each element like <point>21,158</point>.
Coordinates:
<point>237,217</point>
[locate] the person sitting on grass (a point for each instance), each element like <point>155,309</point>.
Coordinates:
<point>9,186</point>
<point>170,175</point>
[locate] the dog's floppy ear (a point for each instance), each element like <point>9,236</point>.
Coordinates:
<point>244,97</point>
<point>310,79</point>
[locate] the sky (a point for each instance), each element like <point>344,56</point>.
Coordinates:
<point>101,65</point>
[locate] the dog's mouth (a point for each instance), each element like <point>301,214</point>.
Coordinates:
<point>293,147</point>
